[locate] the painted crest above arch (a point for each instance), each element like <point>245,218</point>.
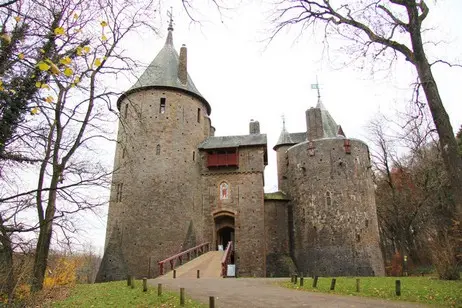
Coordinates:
<point>224,190</point>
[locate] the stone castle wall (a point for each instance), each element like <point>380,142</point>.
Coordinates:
<point>334,213</point>
<point>155,205</point>
<point>246,202</point>
<point>281,158</point>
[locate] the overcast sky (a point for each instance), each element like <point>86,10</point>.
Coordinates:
<point>243,78</point>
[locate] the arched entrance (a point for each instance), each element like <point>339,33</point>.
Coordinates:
<point>224,230</point>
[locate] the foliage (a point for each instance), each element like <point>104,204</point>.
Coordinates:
<point>428,290</point>
<point>117,294</point>
<point>62,271</point>
<point>414,204</point>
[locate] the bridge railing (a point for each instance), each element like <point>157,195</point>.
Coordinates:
<point>226,258</point>
<point>187,255</point>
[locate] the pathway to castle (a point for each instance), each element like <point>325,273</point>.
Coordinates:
<point>252,292</point>
<point>263,292</point>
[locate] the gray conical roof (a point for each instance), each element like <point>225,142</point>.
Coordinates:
<point>163,73</point>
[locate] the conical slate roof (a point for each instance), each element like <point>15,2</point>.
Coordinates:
<point>163,73</point>
<point>329,127</point>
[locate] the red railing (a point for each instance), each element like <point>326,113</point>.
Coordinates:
<point>190,254</point>
<point>226,258</point>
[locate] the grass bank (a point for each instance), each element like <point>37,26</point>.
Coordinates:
<point>117,294</point>
<point>426,290</point>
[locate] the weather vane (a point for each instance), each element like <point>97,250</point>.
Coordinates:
<point>315,86</point>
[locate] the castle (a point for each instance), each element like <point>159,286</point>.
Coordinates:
<point>177,185</point>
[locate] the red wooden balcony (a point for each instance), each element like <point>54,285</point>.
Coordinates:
<point>223,160</point>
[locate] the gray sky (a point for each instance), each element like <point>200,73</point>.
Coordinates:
<point>242,78</point>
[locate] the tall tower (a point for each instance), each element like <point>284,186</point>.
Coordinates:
<point>332,194</point>
<point>154,207</point>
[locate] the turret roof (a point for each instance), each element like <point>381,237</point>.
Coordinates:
<point>163,72</point>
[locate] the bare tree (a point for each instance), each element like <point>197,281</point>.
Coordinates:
<point>68,118</point>
<point>412,191</point>
<point>386,30</point>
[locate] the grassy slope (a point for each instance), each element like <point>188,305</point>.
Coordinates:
<point>117,294</point>
<point>416,289</point>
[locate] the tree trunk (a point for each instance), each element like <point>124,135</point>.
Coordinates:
<point>6,263</point>
<point>44,240</point>
<point>41,256</point>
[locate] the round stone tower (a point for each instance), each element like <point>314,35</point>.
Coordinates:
<point>155,204</point>
<point>332,195</point>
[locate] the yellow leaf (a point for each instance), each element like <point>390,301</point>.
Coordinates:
<point>38,84</point>
<point>79,51</point>
<point>97,62</point>
<point>59,31</point>
<point>86,49</point>
<point>43,66</point>
<point>103,24</point>
<point>6,37</point>
<point>49,99</point>
<point>45,86</point>
<point>76,15</point>
<point>65,61</point>
<point>104,38</point>
<point>68,71</point>
<point>21,56</point>
<point>76,80</point>
<point>42,51</point>
<point>54,69</point>
<point>17,18</point>
<point>34,110</point>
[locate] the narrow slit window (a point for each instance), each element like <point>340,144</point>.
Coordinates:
<point>126,110</point>
<point>162,105</point>
<point>328,198</point>
<point>198,115</point>
<point>123,152</point>
<point>158,149</point>
<point>119,192</point>
<point>194,155</point>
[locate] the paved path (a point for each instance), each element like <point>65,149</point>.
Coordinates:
<point>263,292</point>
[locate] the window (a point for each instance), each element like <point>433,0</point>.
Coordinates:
<point>158,149</point>
<point>194,155</point>
<point>328,198</point>
<point>198,115</point>
<point>119,192</point>
<point>162,105</point>
<point>126,110</point>
<point>123,152</point>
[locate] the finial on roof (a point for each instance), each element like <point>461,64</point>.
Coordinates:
<point>283,122</point>
<point>170,15</point>
<point>169,40</point>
